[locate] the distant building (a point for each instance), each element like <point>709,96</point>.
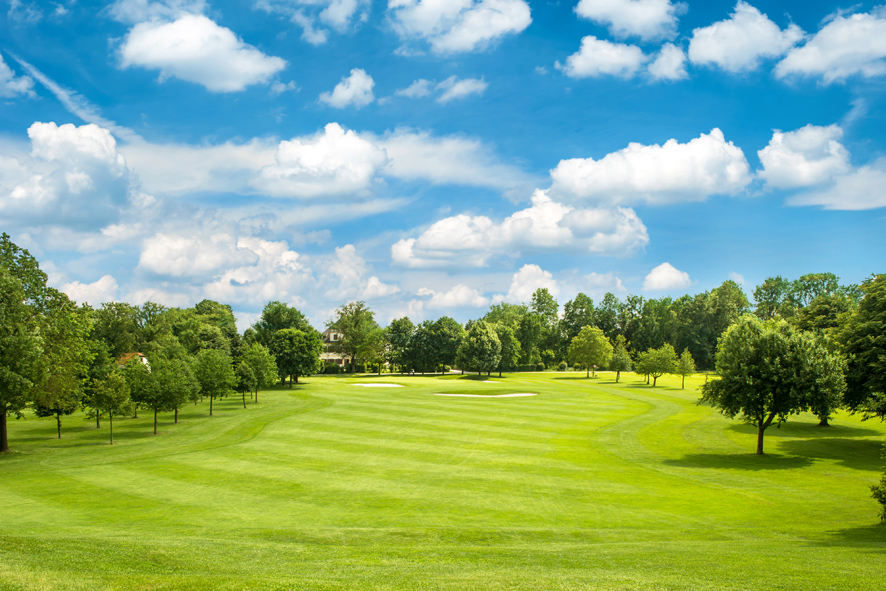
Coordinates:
<point>127,357</point>
<point>332,348</point>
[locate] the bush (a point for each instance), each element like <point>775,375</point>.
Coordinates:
<point>562,366</point>
<point>330,367</point>
<point>540,366</point>
<point>579,366</point>
<point>361,368</point>
<point>446,369</point>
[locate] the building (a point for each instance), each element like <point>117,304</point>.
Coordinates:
<point>332,348</point>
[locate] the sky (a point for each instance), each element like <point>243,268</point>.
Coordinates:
<point>435,157</point>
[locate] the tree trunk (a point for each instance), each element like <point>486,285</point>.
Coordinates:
<point>210,405</point>
<point>824,422</point>
<point>98,419</point>
<point>4,442</point>
<point>290,380</point>
<point>683,385</point>
<point>111,423</point>
<point>58,420</point>
<point>256,395</point>
<point>588,373</point>
<point>499,373</point>
<point>176,416</point>
<point>135,414</point>
<point>617,374</point>
<point>760,431</point>
<point>244,399</point>
<point>654,379</point>
<point>155,421</point>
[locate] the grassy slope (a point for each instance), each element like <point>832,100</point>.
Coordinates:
<point>590,484</point>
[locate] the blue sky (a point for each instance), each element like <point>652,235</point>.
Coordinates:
<point>435,157</point>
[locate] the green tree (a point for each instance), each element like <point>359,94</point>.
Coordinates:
<point>507,314</point>
<point>446,337</point>
<point>481,349</point>
<point>544,304</point>
<point>510,348</point>
<point>657,362</point>
<point>577,313</point>
<point>21,350</point>
<point>621,359</point>
<point>590,347</point>
<point>397,336</point>
<point>297,352</point>
<point>685,366</point>
<point>356,323</point>
<point>112,397</point>
<point>530,334</point>
<point>769,371</point>
<point>864,344</point>
<point>773,299</point>
<point>878,491</point>
<point>606,316</point>
<point>246,381</point>
<point>145,389</point>
<point>116,324</point>
<point>177,383</point>
<point>214,373</point>
<point>263,366</point>
<point>277,316</point>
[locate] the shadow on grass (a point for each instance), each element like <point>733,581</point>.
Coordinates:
<point>858,454</point>
<point>740,462</point>
<point>483,378</point>
<point>807,430</point>
<point>866,537</point>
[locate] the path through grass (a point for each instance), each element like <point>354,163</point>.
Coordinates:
<point>588,485</point>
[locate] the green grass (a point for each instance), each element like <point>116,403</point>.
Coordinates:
<point>588,485</point>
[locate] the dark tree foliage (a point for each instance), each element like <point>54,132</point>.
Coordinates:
<point>606,317</point>
<point>277,316</point>
<point>864,344</point>
<point>507,314</point>
<point>481,349</point>
<point>398,335</point>
<point>297,352</point>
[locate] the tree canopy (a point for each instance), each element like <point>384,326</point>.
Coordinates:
<point>590,347</point>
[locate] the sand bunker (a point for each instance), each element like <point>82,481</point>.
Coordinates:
<point>379,385</point>
<point>518,395</point>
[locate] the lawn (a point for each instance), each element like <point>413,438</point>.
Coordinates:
<point>588,484</point>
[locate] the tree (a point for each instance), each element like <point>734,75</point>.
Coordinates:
<point>112,397</point>
<point>621,359</point>
<point>773,298</point>
<point>246,381</point>
<point>769,371</point>
<point>214,374</point>
<point>116,324</point>
<point>606,315</point>
<point>577,314</point>
<point>510,348</point>
<point>864,344</point>
<point>878,491</point>
<point>507,314</point>
<point>481,349</point>
<point>544,304</point>
<point>397,337</point>
<point>446,337</point>
<point>297,352</point>
<point>263,366</point>
<point>277,316</point>
<point>177,383</point>
<point>657,362</point>
<point>145,390</point>
<point>21,351</point>
<point>685,366</point>
<point>590,347</point>
<point>356,323</point>
<point>530,334</point>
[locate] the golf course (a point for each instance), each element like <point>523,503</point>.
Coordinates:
<point>528,481</point>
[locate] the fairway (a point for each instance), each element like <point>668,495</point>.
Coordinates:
<point>588,484</point>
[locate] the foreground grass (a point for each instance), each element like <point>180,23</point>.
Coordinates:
<point>588,485</point>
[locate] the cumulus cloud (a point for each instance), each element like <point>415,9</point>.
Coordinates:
<point>547,225</point>
<point>418,89</point>
<point>598,284</point>
<point>656,174</point>
<point>95,293</point>
<point>355,90</point>
<point>807,156</point>
<point>196,49</point>
<point>460,296</point>
<point>74,176</point>
<point>454,88</point>
<point>12,85</point>
<point>738,43</point>
<point>316,17</point>
<point>524,283</point>
<point>137,11</point>
<point>847,46</point>
<point>857,190</point>
<point>647,19</point>
<point>669,64</point>
<point>334,162</point>
<point>458,25</point>
<point>346,277</point>
<point>666,277</point>
<point>598,57</point>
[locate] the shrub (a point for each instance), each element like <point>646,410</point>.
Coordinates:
<point>330,367</point>
<point>540,366</point>
<point>579,366</point>
<point>562,366</point>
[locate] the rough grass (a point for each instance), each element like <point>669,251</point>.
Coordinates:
<point>589,485</point>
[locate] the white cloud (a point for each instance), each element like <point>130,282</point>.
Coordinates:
<point>737,277</point>
<point>355,90</point>
<point>598,57</point>
<point>95,294</point>
<point>524,283</point>
<point>345,277</point>
<point>844,47</point>
<point>278,88</point>
<point>452,88</point>
<point>471,240</point>
<point>137,11</point>
<point>673,172</point>
<point>598,284</point>
<point>648,19</point>
<point>452,26</point>
<point>418,89</point>
<point>807,156</point>
<point>334,162</point>
<point>858,190</point>
<point>669,64</point>
<point>25,13</point>
<point>313,15</point>
<point>666,277</point>
<point>12,85</point>
<point>74,176</point>
<point>738,43</point>
<point>459,296</point>
<point>418,155</point>
<point>196,49</point>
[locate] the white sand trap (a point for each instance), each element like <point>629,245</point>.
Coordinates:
<point>517,395</point>
<point>491,382</point>
<point>379,385</point>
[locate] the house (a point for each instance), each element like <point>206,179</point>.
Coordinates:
<point>127,357</point>
<point>332,348</point>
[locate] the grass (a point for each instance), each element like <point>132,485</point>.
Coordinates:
<point>588,485</point>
